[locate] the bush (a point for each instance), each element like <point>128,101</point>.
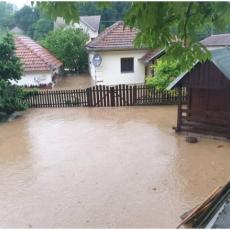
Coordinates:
<point>69,46</point>
<point>11,98</point>
<point>164,73</point>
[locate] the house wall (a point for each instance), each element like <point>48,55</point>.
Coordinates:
<point>109,72</point>
<point>35,79</point>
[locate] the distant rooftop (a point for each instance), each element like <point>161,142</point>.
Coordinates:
<point>33,56</point>
<point>91,21</point>
<point>16,30</point>
<point>217,40</point>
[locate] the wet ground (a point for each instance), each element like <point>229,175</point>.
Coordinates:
<point>81,81</point>
<point>104,167</point>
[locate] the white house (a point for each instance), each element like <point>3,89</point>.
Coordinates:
<point>39,64</point>
<point>216,41</point>
<point>121,62</point>
<point>89,24</point>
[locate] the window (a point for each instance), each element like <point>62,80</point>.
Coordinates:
<point>127,65</point>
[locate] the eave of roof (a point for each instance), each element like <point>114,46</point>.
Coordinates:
<point>151,55</point>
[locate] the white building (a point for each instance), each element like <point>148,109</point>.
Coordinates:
<point>89,24</point>
<point>121,63</point>
<point>39,64</point>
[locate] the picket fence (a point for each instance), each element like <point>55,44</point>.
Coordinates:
<point>103,96</point>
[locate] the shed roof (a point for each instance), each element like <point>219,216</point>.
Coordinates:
<point>217,40</point>
<point>33,56</point>
<point>116,37</point>
<point>93,22</point>
<point>220,58</point>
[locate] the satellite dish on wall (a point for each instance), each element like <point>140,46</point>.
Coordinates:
<point>97,60</point>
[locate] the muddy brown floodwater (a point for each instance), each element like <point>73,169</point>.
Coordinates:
<point>81,81</point>
<point>104,167</point>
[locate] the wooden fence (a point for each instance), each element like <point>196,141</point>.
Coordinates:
<point>103,96</point>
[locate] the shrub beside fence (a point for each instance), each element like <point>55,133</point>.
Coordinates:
<point>103,96</point>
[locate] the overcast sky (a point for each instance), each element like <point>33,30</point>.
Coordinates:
<point>19,3</point>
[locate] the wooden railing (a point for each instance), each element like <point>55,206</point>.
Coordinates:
<point>103,96</point>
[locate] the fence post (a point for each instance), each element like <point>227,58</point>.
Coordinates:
<point>134,95</point>
<point>112,96</point>
<point>89,96</point>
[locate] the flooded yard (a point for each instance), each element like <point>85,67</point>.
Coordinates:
<point>81,81</point>
<point>104,167</point>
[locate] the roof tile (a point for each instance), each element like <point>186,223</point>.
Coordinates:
<point>117,36</point>
<point>33,56</point>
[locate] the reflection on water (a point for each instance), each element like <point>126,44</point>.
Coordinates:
<point>103,167</point>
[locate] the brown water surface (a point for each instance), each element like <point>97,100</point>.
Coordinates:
<point>104,167</point>
<point>81,81</point>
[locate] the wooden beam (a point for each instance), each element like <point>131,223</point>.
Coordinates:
<point>179,110</point>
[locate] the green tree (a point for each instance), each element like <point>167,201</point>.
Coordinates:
<point>6,16</point>
<point>10,65</point>
<point>174,26</point>
<point>164,73</point>
<point>10,69</point>
<point>25,18</point>
<point>69,46</point>
<point>41,28</point>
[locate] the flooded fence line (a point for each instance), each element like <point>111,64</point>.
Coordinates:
<point>103,96</point>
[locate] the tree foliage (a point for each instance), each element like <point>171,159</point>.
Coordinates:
<point>174,26</point>
<point>69,46</point>
<point>33,22</point>
<point>164,73</point>
<point>11,98</point>
<point>10,65</point>
<point>41,28</point>
<point>10,69</point>
<point>25,18</point>
<point>6,16</point>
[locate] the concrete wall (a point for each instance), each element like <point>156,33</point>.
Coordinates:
<point>109,73</point>
<point>35,79</point>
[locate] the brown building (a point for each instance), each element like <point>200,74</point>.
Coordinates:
<point>207,109</point>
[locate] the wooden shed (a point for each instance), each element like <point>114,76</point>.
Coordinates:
<point>207,109</point>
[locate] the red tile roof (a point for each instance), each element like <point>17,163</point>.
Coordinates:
<point>116,37</point>
<point>33,56</point>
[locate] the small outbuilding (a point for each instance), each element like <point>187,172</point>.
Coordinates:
<point>40,66</point>
<point>207,109</point>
